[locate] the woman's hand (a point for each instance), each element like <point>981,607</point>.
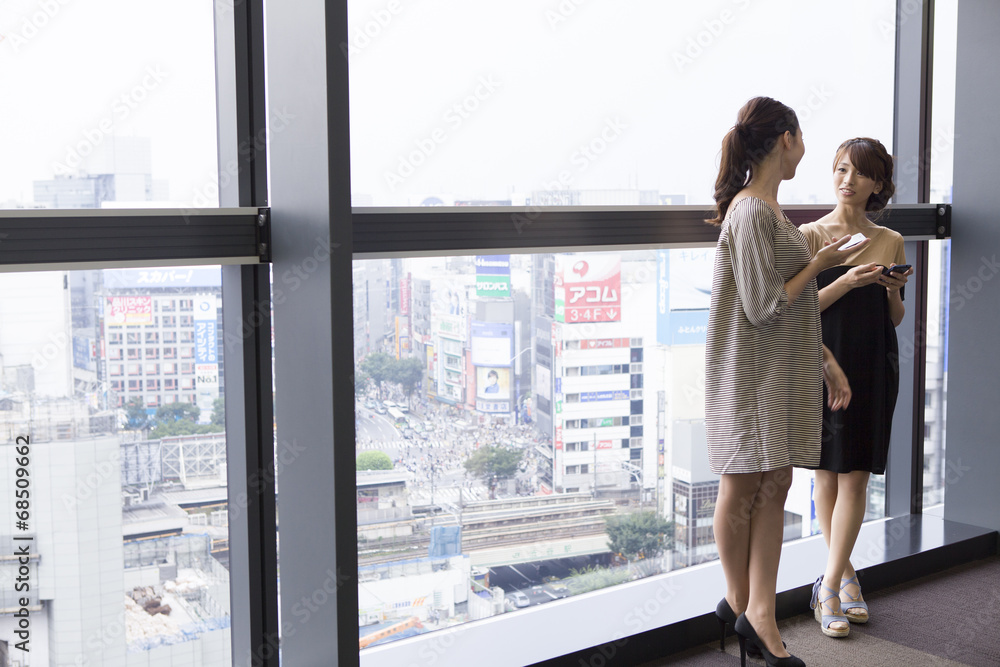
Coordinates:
<point>831,255</point>
<point>861,275</point>
<point>838,389</point>
<point>895,279</point>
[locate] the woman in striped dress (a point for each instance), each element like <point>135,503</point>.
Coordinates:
<point>765,365</point>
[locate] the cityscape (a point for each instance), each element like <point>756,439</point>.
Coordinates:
<point>516,415</point>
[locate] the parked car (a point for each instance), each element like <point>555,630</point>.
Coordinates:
<point>520,599</point>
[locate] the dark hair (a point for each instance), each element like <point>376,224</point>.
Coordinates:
<point>871,159</point>
<point>493,373</point>
<point>759,125</point>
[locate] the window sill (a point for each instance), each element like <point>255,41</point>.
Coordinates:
<point>653,617</point>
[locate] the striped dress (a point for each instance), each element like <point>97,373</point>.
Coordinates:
<point>763,357</point>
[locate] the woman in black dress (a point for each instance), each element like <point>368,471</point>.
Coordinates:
<point>862,304</point>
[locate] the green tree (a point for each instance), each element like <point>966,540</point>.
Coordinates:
<point>135,413</point>
<point>219,412</point>
<point>361,380</point>
<point>373,460</point>
<point>639,535</point>
<point>408,373</point>
<point>173,412</point>
<point>378,366</point>
<point>182,427</point>
<point>491,460</point>
<point>593,578</point>
<point>180,419</point>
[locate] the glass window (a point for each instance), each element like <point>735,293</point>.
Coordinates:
<point>114,538</point>
<point>141,134</point>
<point>942,144</point>
<point>562,433</point>
<point>936,376</point>
<point>601,122</point>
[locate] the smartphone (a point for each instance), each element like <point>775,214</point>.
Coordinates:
<point>898,267</point>
<point>855,240</point>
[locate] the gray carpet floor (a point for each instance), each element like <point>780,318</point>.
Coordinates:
<point>948,619</point>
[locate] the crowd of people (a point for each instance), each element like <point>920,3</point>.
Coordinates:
<point>452,436</point>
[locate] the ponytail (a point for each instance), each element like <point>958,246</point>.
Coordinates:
<point>759,125</point>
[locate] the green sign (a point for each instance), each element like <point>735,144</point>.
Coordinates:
<point>491,285</point>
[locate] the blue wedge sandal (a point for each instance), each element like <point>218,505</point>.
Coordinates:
<point>854,607</point>
<point>826,619</point>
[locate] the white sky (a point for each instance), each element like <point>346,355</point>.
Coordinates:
<point>561,73</point>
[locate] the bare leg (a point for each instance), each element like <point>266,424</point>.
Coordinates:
<point>731,524</point>
<point>848,514</point>
<point>766,530</point>
<point>853,490</point>
<point>825,497</point>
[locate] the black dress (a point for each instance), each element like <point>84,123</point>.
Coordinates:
<point>860,334</point>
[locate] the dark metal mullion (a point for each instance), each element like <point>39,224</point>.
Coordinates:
<point>919,299</point>
<point>251,112</point>
<point>259,424</point>
<point>926,93</point>
<point>257,407</point>
<point>342,334</point>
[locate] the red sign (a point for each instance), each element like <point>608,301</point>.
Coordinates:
<point>604,444</point>
<point>591,288</point>
<point>559,442</point>
<point>404,295</point>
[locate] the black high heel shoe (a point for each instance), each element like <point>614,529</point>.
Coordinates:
<point>746,633</point>
<point>727,616</point>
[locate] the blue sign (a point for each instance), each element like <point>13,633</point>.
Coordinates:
<point>616,395</point>
<point>205,342</point>
<point>492,330</point>
<point>83,353</point>
<point>171,276</point>
<point>688,327</point>
<point>493,265</point>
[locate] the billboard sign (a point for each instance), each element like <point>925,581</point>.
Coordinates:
<point>206,353</point>
<point>493,383</point>
<point>588,290</point>
<point>84,353</point>
<point>176,276</point>
<point>491,343</point>
<point>493,275</point>
<point>122,310</point>
<point>613,395</point>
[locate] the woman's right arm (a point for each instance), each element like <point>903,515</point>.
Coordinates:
<point>859,276</point>
<point>825,258</point>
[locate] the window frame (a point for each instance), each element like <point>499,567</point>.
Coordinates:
<point>239,237</point>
